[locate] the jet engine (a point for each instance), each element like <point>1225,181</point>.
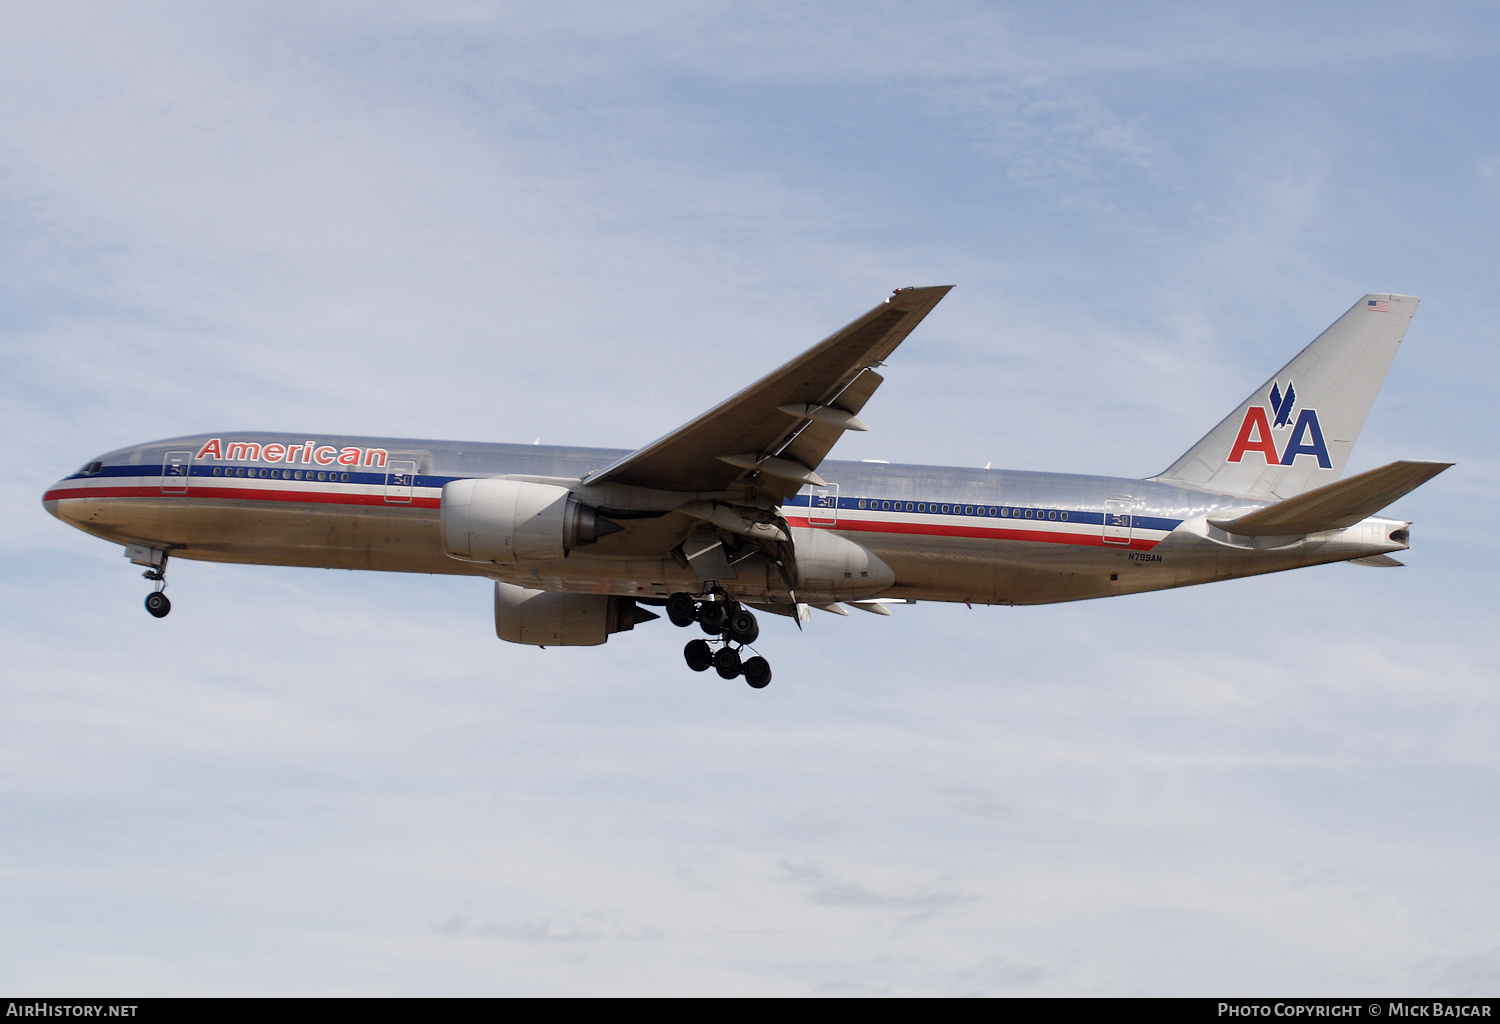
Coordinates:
<point>509,521</point>
<point>563,620</point>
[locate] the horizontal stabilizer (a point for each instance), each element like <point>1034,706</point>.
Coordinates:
<point>1336,505</point>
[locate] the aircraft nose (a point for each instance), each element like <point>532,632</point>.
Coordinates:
<point>53,496</point>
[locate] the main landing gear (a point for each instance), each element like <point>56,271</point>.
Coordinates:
<point>732,625</point>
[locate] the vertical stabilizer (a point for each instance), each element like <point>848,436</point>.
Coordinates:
<point>1295,432</point>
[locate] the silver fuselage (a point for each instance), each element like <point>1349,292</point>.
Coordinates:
<point>948,534</point>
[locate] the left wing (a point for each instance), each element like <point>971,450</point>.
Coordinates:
<point>781,427</point>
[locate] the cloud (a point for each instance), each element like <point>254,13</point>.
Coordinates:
<point>830,892</point>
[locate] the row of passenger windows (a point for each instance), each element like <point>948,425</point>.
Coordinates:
<point>281,474</point>
<point>963,510</point>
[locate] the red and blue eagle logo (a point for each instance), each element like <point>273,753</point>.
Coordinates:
<point>1259,429</point>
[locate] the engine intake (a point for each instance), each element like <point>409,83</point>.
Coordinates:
<point>508,521</point>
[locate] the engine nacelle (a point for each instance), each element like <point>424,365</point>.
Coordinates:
<point>551,619</point>
<point>831,567</point>
<point>509,521</point>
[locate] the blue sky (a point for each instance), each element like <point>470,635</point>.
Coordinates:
<point>587,225</point>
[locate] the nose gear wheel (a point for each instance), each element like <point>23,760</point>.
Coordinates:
<point>156,601</point>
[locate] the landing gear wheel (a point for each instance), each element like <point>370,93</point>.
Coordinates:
<point>743,629</point>
<point>757,672</point>
<point>727,662</point>
<point>682,610</point>
<point>157,604</point>
<point>714,615</point>
<point>698,654</point>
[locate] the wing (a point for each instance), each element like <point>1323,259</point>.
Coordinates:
<point>781,427</point>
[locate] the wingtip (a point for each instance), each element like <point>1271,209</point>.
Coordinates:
<point>913,295</point>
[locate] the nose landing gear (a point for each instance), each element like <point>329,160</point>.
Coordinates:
<point>155,561</point>
<point>733,625</point>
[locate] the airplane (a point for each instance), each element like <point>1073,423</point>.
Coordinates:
<point>739,511</point>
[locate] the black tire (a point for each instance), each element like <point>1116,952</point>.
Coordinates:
<point>727,662</point>
<point>757,672</point>
<point>682,610</point>
<point>743,628</point>
<point>698,654</point>
<point>157,604</point>
<point>714,615</point>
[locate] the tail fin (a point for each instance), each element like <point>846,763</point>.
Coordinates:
<point>1297,430</point>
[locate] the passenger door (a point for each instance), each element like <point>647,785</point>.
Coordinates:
<point>400,476</point>
<point>823,506</point>
<point>176,468</point>
<point>1117,520</point>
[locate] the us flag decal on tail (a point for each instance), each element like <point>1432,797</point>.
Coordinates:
<point>1378,306</point>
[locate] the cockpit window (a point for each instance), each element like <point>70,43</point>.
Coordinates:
<point>92,468</point>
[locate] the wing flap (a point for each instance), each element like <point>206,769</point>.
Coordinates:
<point>1336,505</point>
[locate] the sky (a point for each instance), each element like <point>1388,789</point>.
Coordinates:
<point>587,223</point>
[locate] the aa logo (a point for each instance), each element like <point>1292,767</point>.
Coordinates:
<point>1260,426</point>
